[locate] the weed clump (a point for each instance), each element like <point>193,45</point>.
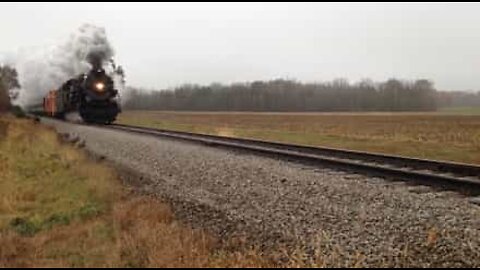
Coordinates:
<point>24,227</point>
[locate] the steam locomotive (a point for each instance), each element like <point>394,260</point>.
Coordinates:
<point>92,95</point>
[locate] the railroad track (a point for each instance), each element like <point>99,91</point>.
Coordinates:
<point>448,175</point>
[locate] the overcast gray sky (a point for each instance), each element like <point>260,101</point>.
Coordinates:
<point>167,44</point>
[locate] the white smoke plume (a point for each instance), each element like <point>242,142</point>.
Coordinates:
<point>45,69</point>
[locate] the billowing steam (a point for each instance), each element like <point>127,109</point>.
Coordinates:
<point>42,70</point>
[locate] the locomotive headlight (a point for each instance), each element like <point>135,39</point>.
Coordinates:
<point>100,86</point>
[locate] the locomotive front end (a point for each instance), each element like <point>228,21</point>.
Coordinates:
<point>99,104</point>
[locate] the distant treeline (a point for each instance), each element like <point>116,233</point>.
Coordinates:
<point>289,96</point>
<point>458,99</point>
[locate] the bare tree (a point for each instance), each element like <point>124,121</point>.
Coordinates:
<point>8,84</point>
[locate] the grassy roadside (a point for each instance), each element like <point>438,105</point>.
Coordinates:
<point>441,136</point>
<point>60,209</point>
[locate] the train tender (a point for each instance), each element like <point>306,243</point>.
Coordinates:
<point>92,95</point>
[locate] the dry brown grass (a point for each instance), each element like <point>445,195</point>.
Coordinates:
<point>425,135</point>
<point>148,236</point>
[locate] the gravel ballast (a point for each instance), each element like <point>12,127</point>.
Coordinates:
<point>346,218</point>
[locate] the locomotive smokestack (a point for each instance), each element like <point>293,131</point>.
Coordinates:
<point>96,63</point>
<point>96,59</point>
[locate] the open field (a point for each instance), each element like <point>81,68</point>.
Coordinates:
<point>60,209</point>
<point>461,110</point>
<point>443,136</point>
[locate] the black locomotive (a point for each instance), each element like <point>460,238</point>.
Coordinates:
<point>92,95</point>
